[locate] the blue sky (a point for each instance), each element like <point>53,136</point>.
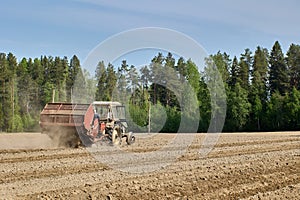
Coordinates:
<point>33,28</point>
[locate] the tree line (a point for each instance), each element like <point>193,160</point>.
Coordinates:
<point>262,89</point>
<point>26,87</point>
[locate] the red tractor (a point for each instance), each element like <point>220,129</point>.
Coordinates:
<point>71,124</point>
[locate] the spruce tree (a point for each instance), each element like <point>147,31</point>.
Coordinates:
<point>111,81</point>
<point>258,92</point>
<point>278,71</point>
<point>145,77</point>
<point>293,61</point>
<point>27,91</point>
<point>233,72</point>
<point>169,67</point>
<point>243,72</point>
<point>101,77</point>
<point>4,95</point>
<point>156,77</point>
<point>74,70</point>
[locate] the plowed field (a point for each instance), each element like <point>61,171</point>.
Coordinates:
<point>240,166</point>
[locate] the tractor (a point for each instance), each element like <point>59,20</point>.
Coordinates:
<point>75,124</point>
<point>109,122</point>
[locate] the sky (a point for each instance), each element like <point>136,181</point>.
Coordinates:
<point>33,28</point>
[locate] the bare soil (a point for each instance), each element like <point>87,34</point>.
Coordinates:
<point>240,166</point>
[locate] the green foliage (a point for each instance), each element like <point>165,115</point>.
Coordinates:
<point>17,124</point>
<point>74,75</point>
<point>222,62</point>
<point>1,118</point>
<point>204,106</point>
<point>293,62</point>
<point>262,90</point>
<point>257,112</point>
<point>233,72</point>
<point>259,74</point>
<point>137,118</point>
<point>243,72</point>
<point>258,89</point>
<point>193,75</point>
<point>107,80</point>
<point>88,91</point>
<point>29,123</point>
<point>276,112</point>
<point>26,87</point>
<point>217,87</point>
<point>238,109</point>
<point>172,122</point>
<point>101,77</point>
<point>158,117</point>
<point>278,71</point>
<point>293,108</point>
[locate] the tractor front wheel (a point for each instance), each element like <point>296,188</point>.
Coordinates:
<point>130,139</point>
<point>116,139</point>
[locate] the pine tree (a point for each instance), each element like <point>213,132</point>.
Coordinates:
<point>111,81</point>
<point>74,70</point>
<point>26,91</point>
<point>101,77</point>
<point>37,71</point>
<point>243,72</point>
<point>205,105</point>
<point>134,86</point>
<point>48,85</point>
<point>90,86</point>
<point>80,92</point>
<point>293,61</point>
<point>222,61</point>
<point>145,77</point>
<point>122,94</point>
<point>169,68</point>
<point>156,77</point>
<point>278,71</point>
<point>217,88</point>
<point>63,71</point>
<point>181,68</point>
<point>258,92</point>
<point>4,95</point>
<point>58,74</point>
<point>233,72</point>
<point>107,82</point>
<point>14,118</point>
<point>133,78</point>
<point>37,77</point>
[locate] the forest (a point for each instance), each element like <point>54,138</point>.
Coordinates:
<point>262,89</point>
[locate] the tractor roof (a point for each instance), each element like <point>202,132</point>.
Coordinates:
<point>107,103</point>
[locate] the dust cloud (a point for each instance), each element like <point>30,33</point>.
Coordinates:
<point>25,141</point>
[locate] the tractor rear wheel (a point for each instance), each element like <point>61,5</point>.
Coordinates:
<point>116,139</point>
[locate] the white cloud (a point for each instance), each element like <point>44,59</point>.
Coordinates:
<point>268,16</point>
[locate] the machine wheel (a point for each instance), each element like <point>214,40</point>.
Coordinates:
<point>130,139</point>
<point>85,139</point>
<point>116,139</point>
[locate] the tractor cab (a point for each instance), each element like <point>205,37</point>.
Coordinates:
<point>111,120</point>
<point>108,110</point>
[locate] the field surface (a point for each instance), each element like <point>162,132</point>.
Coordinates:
<point>239,166</point>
